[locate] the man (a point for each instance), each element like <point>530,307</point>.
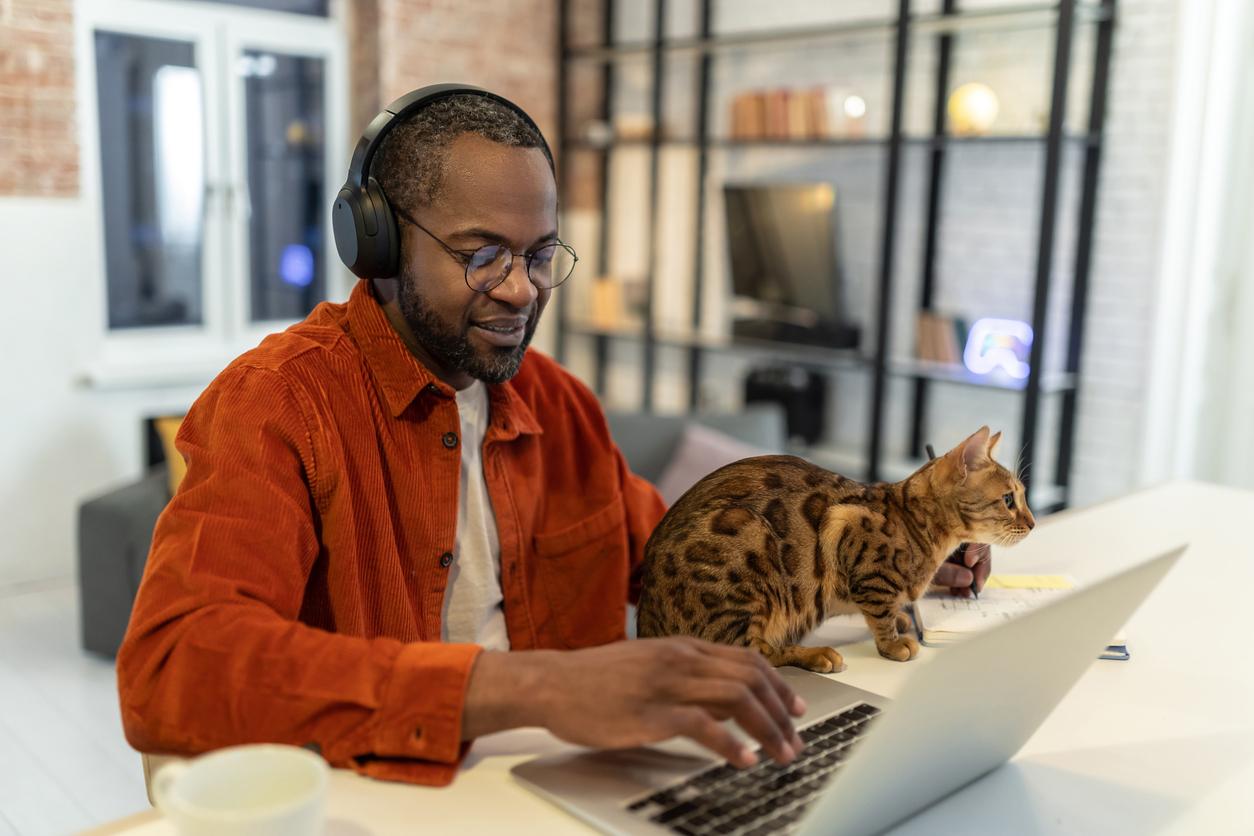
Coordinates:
<point>399,530</point>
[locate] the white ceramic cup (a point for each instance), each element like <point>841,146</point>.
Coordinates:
<point>254,790</point>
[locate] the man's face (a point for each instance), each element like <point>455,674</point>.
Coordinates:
<point>492,194</point>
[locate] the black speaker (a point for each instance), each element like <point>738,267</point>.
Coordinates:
<point>802,393</point>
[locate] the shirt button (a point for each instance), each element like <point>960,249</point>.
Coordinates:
<point>446,559</point>
<point>450,440</point>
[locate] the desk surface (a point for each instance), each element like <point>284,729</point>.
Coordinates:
<point>1163,743</point>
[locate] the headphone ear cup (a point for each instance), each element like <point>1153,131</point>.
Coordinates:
<point>365,232</point>
<point>387,240</point>
<point>349,230</point>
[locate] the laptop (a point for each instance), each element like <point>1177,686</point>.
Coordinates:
<point>869,762</point>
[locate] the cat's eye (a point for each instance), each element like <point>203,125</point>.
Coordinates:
<point>1009,499</point>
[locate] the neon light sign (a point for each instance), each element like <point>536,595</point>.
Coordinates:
<point>999,344</point>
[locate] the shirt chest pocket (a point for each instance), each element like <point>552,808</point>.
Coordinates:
<point>582,571</point>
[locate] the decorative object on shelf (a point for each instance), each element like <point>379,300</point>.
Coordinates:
<point>802,393</point>
<point>607,302</point>
<point>847,113</point>
<point>940,339</point>
<point>633,126</point>
<point>972,109</point>
<point>999,344</point>
<point>598,132</point>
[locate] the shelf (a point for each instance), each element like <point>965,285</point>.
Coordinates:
<point>961,375</point>
<point>806,355</point>
<point>831,142</point>
<point>850,463</point>
<point>817,356</point>
<point>1017,16</point>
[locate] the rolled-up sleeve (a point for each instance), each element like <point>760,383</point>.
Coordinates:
<point>216,654</point>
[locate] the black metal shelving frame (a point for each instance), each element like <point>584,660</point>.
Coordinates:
<point>1063,15</point>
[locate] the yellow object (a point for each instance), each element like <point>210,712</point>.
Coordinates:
<point>972,109</point>
<point>1029,582</point>
<point>168,428</point>
<point>607,302</point>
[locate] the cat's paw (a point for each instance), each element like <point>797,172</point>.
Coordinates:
<point>904,625</point>
<point>900,649</point>
<point>820,659</point>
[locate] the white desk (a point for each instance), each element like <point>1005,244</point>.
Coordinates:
<point>1163,743</point>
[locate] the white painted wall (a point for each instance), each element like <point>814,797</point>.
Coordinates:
<point>60,442</point>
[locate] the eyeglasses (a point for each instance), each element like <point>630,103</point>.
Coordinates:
<point>488,266</point>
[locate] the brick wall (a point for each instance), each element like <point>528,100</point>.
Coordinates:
<point>507,46</point>
<point>38,143</point>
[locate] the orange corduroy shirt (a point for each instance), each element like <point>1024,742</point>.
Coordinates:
<point>295,584</point>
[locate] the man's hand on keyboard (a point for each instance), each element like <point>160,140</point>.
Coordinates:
<point>639,692</point>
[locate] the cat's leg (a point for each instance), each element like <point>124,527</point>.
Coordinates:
<point>891,629</point>
<point>772,636</point>
<point>817,659</point>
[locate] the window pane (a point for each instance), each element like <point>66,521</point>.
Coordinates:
<point>152,170</point>
<point>304,7</point>
<point>283,96</point>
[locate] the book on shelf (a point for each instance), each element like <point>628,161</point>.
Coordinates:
<point>939,338</point>
<point>790,114</point>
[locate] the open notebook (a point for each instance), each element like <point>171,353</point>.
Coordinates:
<point>942,618</point>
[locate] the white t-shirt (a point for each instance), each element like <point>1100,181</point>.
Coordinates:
<point>472,599</point>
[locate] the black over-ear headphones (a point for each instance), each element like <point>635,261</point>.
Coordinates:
<point>363,222</point>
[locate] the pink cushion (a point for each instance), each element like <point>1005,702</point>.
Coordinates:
<point>700,451</point>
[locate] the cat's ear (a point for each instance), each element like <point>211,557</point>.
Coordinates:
<point>992,443</point>
<point>973,452</point>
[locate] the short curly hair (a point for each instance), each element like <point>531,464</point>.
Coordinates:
<point>409,164</point>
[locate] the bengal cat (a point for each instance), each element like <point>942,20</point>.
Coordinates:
<point>757,553</point>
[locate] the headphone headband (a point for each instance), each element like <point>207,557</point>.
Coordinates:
<point>363,222</point>
<point>393,114</point>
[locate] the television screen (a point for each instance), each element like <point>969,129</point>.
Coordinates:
<point>782,246</point>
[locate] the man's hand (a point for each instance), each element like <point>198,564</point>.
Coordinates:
<point>633,693</point>
<point>960,569</point>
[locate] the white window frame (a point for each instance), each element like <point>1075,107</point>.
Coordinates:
<point>192,354</point>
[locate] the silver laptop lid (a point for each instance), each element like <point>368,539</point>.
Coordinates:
<point>1002,683</point>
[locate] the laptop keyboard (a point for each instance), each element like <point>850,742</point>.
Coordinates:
<point>765,798</point>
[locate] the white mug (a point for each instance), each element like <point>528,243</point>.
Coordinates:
<point>254,790</point>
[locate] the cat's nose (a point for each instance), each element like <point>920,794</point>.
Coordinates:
<point>1030,522</point>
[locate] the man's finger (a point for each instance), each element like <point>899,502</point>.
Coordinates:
<point>787,696</point>
<point>751,670</point>
<point>982,570</point>
<point>976,553</point>
<point>729,697</point>
<point>697,725</point>
<point>953,575</point>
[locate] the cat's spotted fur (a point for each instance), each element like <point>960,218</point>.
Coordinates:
<point>759,552</point>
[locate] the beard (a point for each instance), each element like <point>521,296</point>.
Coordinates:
<point>450,345</point>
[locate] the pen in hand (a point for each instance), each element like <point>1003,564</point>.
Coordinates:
<point>961,553</point>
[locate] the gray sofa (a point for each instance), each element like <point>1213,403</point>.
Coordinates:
<point>115,529</point>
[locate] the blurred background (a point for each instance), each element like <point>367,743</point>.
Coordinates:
<point>884,222</point>
<point>896,221</point>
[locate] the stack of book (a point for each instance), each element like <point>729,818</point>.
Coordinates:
<point>784,114</point>
<point>940,339</point>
